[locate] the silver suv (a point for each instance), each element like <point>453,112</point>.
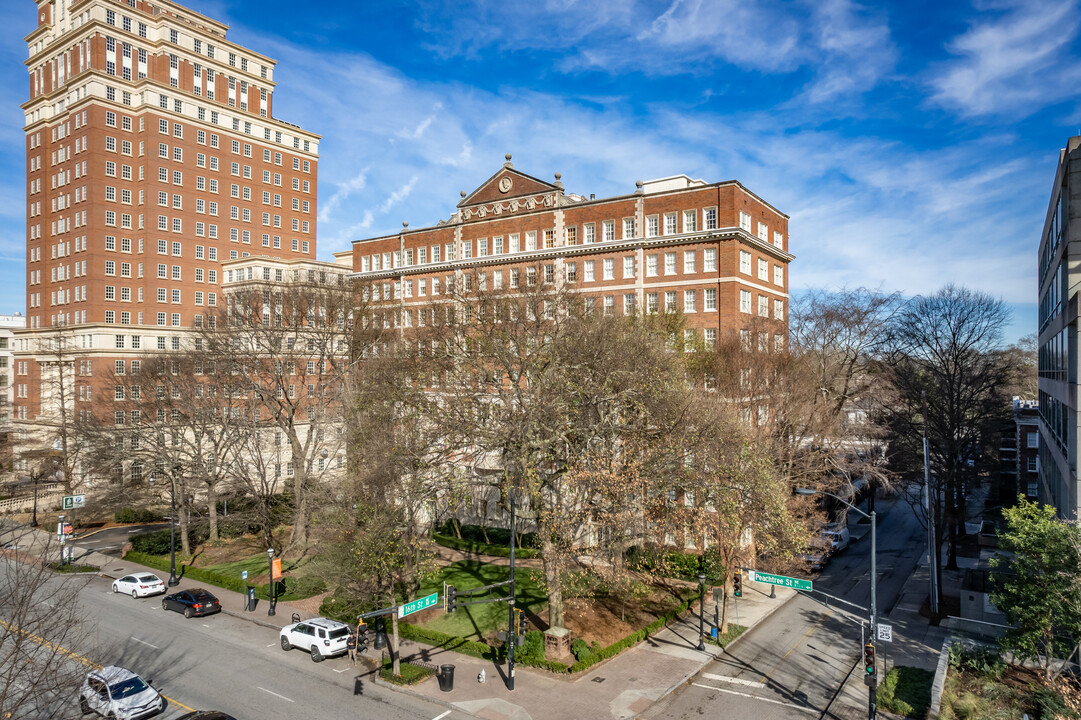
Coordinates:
<point>321,637</point>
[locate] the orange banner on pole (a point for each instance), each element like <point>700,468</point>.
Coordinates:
<point>276,573</point>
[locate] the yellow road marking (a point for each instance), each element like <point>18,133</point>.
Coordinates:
<point>803,637</point>
<point>72,655</point>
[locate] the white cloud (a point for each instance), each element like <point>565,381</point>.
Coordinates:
<point>345,189</point>
<point>1016,61</point>
<point>398,195</point>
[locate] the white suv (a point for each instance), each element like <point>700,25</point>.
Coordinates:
<point>118,693</point>
<point>321,637</point>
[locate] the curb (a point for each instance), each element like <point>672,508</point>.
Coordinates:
<point>249,618</point>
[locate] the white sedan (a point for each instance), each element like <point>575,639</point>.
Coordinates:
<point>139,585</point>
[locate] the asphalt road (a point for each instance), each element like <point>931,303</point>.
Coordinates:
<point>794,663</point>
<point>225,663</point>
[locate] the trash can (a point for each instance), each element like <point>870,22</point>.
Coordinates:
<point>251,598</point>
<point>446,678</point>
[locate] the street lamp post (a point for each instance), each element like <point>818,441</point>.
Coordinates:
<point>270,559</point>
<point>173,580</point>
<point>872,702</point>
<point>63,550</point>
<point>701,610</point>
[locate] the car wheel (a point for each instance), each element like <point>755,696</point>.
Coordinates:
<point>115,588</point>
<point>286,645</point>
<point>187,613</point>
<point>316,655</point>
<point>135,594</point>
<point>164,605</point>
<point>83,706</point>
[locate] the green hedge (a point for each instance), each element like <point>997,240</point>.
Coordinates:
<point>484,651</point>
<point>70,568</point>
<point>209,577</point>
<point>906,691</point>
<point>481,548</point>
<point>131,515</point>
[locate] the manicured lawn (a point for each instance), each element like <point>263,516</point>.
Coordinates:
<point>479,621</point>
<point>255,565</point>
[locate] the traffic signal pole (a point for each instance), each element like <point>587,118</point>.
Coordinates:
<point>872,680</point>
<point>511,629</point>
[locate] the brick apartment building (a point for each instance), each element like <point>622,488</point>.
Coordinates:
<point>153,156</point>
<point>714,251</point>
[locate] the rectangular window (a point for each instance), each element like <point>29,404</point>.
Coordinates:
<point>670,263</point>
<point>609,229</point>
<point>763,232</point>
<point>652,226</point>
<point>744,262</point>
<point>763,269</point>
<point>690,301</point>
<point>589,233</point>
<point>778,309</point>
<point>745,221</point>
<point>670,220</point>
<point>588,265</point>
<point>651,266</point>
<point>709,216</point>
<point>709,260</point>
<point>628,266</point>
<point>609,269</point>
<point>690,221</point>
<point>745,301</point>
<point>778,275</point>
<point>763,306</point>
<point>710,299</point>
<point>628,228</point>
<point>689,261</point>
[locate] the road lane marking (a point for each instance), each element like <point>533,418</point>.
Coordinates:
<point>756,697</point>
<point>205,625</point>
<point>144,642</point>
<point>726,678</point>
<point>342,670</point>
<point>274,694</point>
<point>441,715</point>
<point>74,655</point>
<point>272,644</point>
<point>804,636</point>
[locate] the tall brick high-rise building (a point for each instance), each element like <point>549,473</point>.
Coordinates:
<point>152,157</point>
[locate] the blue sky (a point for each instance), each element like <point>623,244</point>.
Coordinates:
<point>912,144</point>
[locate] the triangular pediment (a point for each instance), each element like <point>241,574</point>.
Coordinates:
<point>506,184</point>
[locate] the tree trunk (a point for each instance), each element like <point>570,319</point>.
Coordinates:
<point>551,580</point>
<point>212,510</point>
<point>724,603</point>
<point>185,526</point>
<point>457,525</point>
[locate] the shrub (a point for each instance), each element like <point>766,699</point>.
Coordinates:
<point>496,536</point>
<point>581,650</point>
<point>532,651</point>
<point>131,515</point>
<point>70,568</point>
<point>484,651</point>
<point>157,542</point>
<point>980,659</point>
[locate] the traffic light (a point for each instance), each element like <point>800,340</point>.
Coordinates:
<point>362,637</point>
<point>452,598</point>
<point>737,584</point>
<point>869,658</point>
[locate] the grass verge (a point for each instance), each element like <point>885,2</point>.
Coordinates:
<point>411,674</point>
<point>906,691</point>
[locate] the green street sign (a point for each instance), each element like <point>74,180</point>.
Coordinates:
<point>781,580</point>
<point>417,605</point>
<point>70,502</point>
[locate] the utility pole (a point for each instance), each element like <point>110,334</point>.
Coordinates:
<point>929,509</point>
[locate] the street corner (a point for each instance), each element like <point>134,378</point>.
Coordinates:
<point>633,702</point>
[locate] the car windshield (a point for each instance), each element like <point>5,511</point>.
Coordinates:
<point>127,688</point>
<point>339,633</point>
<point>149,579</point>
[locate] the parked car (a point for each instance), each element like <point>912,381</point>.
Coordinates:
<point>321,637</point>
<point>838,536</point>
<point>114,692</point>
<point>139,585</point>
<point>191,603</point>
<point>206,715</point>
